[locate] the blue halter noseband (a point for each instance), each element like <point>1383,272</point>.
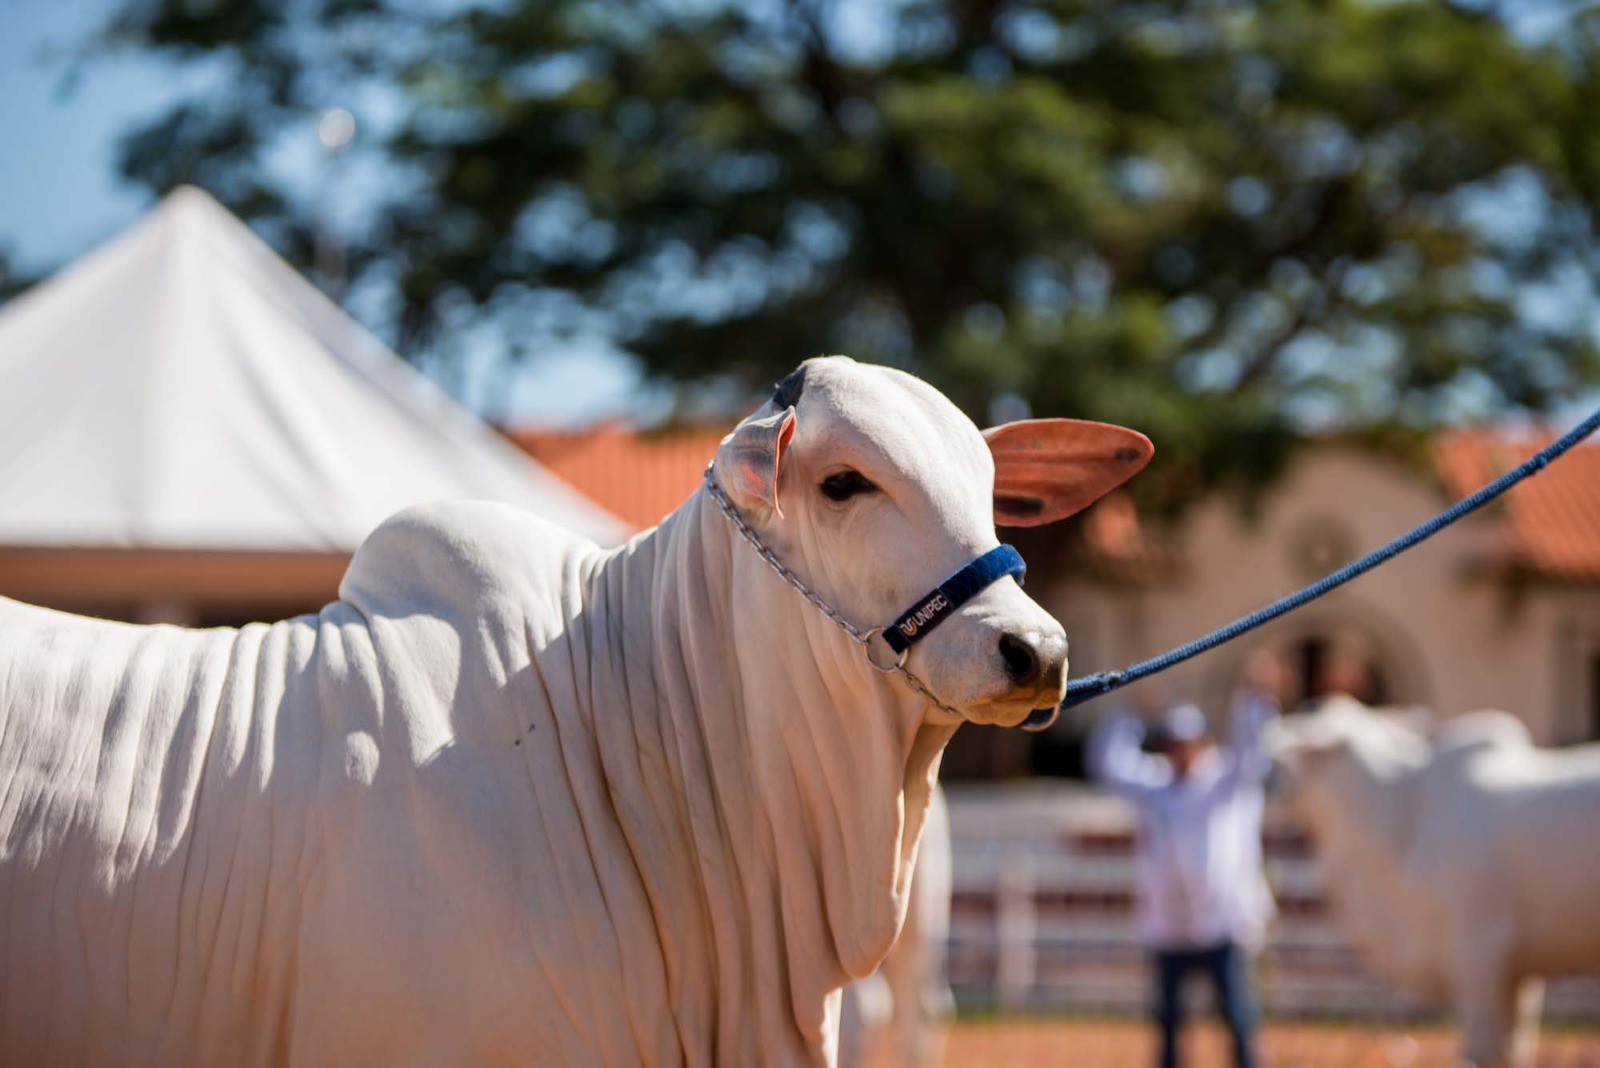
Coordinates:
<point>914,624</point>
<point>941,602</point>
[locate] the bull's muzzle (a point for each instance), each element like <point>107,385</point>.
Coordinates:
<point>1037,662</point>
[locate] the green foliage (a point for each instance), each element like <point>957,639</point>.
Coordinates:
<point>12,281</point>
<point>1215,221</point>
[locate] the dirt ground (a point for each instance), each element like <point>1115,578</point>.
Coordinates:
<point>1074,1043</point>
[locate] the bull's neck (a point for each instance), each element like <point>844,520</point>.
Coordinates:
<point>1369,802</point>
<point>1363,830</point>
<point>757,732</point>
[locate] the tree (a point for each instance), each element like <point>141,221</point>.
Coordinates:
<point>1221,222</point>
<point>12,281</point>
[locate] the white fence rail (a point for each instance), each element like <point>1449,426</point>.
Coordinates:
<point>1042,916</point>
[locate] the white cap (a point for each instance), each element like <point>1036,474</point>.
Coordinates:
<point>1183,723</point>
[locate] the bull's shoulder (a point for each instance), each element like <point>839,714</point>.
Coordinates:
<point>20,616</point>
<point>452,557</point>
<point>1472,731</point>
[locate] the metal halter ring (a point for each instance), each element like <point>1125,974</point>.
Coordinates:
<point>874,657</point>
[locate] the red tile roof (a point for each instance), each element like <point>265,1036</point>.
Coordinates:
<point>1553,519</point>
<point>638,475</point>
<point>1116,545</point>
<point>641,476</point>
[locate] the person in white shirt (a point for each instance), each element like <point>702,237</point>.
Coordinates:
<point>1203,900</point>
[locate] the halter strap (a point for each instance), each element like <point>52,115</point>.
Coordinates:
<point>897,637</point>
<point>955,591</point>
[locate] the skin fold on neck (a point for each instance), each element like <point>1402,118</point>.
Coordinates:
<point>1368,847</point>
<point>798,774</point>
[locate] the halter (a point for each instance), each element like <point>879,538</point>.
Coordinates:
<point>914,623</point>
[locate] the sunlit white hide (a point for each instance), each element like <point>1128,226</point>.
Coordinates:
<point>1464,866</point>
<point>515,800</point>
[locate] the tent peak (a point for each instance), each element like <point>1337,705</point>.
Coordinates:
<point>190,205</point>
<point>182,386</point>
<point>192,200</point>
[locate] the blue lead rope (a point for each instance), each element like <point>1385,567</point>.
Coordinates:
<point>1103,682</point>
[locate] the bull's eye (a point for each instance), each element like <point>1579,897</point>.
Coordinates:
<point>842,485</point>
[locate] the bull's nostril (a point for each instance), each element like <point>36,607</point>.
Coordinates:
<point>1021,659</point>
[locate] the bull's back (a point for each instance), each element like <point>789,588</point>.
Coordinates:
<point>136,844</point>
<point>1548,804</point>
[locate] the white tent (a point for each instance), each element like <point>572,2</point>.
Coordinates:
<point>182,390</point>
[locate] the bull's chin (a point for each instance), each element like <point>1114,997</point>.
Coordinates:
<point>1012,714</point>
<point>1040,718</point>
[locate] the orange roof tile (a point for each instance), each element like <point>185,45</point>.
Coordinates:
<point>638,475</point>
<point>1553,519</point>
<point>641,476</point>
<point>1115,544</point>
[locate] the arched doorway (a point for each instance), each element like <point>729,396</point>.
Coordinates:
<point>1344,648</point>
<point>1326,664</point>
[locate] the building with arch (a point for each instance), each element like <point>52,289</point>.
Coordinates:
<point>1501,610</point>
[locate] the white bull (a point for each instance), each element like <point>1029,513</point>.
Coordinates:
<point>512,799</point>
<point>911,990</point>
<point>1463,868</point>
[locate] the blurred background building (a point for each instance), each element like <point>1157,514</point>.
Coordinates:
<point>1502,611</point>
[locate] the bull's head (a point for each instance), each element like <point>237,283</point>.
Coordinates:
<point>1323,759</point>
<point>876,488</point>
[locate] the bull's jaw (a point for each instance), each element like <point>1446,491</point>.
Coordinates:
<point>1041,718</point>
<point>1035,711</point>
<point>1024,715</point>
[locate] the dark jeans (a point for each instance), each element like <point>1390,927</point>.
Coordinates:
<point>1226,967</point>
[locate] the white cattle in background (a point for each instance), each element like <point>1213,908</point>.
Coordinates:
<point>909,996</point>
<point>1464,867</point>
<point>515,800</point>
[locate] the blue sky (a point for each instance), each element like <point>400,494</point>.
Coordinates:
<point>60,194</point>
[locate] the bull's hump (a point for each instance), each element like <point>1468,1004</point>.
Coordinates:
<point>448,558</point>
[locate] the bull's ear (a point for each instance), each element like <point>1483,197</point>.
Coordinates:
<point>750,458</point>
<point>1047,469</point>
